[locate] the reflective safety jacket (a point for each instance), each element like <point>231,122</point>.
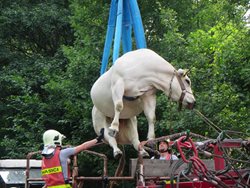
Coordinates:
<point>52,172</point>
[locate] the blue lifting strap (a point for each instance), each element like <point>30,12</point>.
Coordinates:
<point>124,16</point>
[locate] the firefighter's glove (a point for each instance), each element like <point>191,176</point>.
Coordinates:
<point>101,136</point>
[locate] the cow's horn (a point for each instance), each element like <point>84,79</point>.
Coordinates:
<point>186,71</point>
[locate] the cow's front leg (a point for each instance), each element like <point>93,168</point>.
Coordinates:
<point>117,90</point>
<point>149,103</point>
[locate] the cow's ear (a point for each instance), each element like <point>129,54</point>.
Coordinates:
<point>180,72</point>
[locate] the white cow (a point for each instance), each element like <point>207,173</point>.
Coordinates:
<point>129,87</point>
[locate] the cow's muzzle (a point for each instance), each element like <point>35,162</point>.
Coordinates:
<point>191,105</point>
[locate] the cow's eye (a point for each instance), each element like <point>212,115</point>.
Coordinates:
<point>188,81</point>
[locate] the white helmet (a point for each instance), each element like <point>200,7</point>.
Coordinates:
<point>52,137</point>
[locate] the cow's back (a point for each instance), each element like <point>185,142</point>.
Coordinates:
<point>102,98</point>
<point>142,62</point>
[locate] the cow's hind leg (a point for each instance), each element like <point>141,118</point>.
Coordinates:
<point>112,142</point>
<point>100,121</point>
<point>132,134</point>
<point>117,90</point>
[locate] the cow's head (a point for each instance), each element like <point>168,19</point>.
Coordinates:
<point>180,89</point>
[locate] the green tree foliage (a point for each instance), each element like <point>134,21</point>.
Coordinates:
<point>215,48</point>
<point>50,54</point>
<point>225,61</point>
<point>30,56</point>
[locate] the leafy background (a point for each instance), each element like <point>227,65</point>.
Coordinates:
<point>50,54</point>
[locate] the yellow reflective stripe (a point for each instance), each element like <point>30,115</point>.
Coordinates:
<point>168,182</point>
<point>53,170</point>
<point>60,186</point>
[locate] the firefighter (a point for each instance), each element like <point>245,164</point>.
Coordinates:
<point>55,161</point>
<point>165,151</point>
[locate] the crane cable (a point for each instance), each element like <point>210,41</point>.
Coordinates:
<point>209,122</point>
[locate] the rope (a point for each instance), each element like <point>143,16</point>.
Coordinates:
<point>217,129</point>
<point>209,122</point>
<point>172,176</point>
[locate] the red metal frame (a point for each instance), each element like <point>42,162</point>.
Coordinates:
<point>219,164</point>
<point>156,182</point>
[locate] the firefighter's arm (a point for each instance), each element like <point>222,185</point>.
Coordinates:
<point>89,144</point>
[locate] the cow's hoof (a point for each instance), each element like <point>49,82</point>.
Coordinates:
<point>152,144</point>
<point>117,154</point>
<point>112,132</point>
<point>144,154</point>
